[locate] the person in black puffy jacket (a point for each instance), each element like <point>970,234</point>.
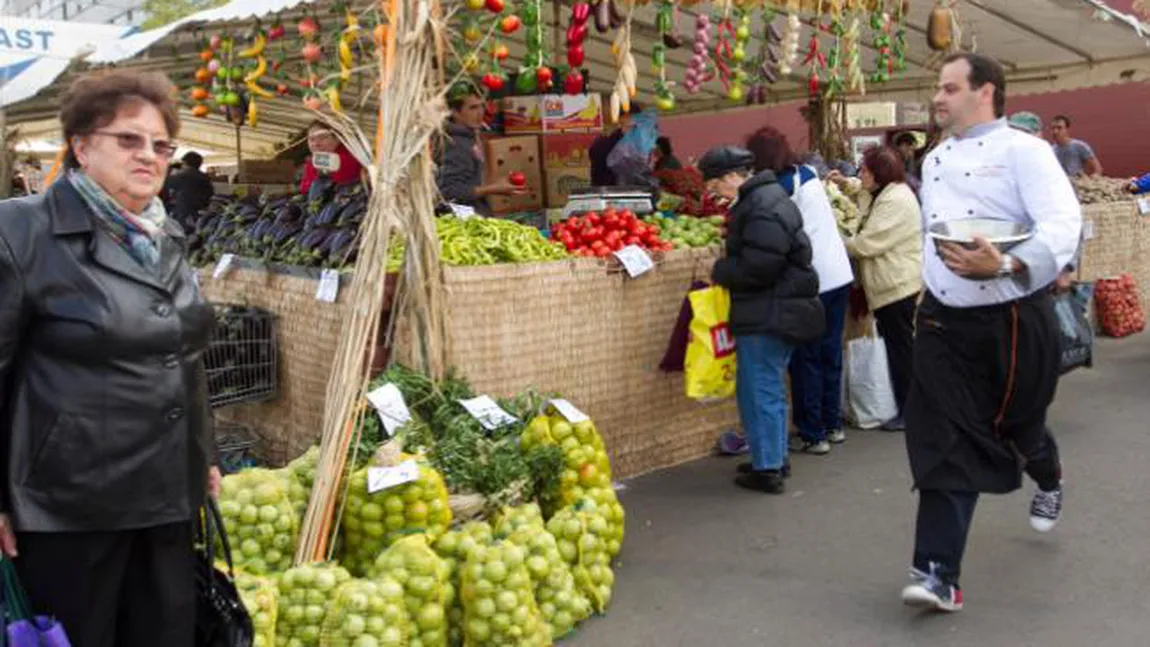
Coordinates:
<point>774,304</point>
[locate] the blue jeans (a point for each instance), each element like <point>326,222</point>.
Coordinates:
<point>761,362</point>
<point>817,373</point>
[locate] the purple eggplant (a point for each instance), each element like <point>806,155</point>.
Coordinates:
<point>602,10</point>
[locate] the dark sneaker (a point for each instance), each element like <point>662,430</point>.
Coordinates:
<point>894,424</point>
<point>1045,509</point>
<point>769,481</point>
<point>746,468</point>
<point>837,436</point>
<point>927,591</point>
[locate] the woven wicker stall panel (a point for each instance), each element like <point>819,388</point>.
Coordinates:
<point>1121,243</point>
<point>593,335</point>
<point>308,332</point>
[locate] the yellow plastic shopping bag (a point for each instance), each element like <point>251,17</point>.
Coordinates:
<point>710,363</point>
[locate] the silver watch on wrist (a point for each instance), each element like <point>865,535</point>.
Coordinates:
<point>1007,268</point>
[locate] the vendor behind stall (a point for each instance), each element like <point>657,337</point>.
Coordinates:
<point>459,173</point>
<point>320,139</point>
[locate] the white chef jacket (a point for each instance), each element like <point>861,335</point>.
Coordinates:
<point>994,171</point>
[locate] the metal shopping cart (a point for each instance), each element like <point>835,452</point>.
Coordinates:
<point>241,363</point>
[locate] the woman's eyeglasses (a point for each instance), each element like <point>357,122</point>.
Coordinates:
<point>163,148</point>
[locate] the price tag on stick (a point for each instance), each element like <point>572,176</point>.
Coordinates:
<point>569,411</point>
<point>488,412</point>
<point>1144,206</point>
<point>636,261</point>
<point>383,478</point>
<point>389,404</point>
<point>328,288</point>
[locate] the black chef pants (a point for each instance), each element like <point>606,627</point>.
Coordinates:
<point>131,588</point>
<point>944,516</point>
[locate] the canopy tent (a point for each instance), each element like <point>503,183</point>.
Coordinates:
<point>1044,44</point>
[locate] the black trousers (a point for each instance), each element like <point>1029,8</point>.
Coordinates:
<point>131,588</point>
<point>944,516</point>
<point>896,326</point>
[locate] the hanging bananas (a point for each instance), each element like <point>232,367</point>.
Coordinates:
<point>259,44</point>
<point>253,112</point>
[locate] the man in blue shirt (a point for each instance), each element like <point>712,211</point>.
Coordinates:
<point>1075,155</point>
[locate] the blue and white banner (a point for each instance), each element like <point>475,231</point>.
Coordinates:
<point>34,52</point>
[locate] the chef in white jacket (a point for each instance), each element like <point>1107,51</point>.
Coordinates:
<point>986,354</point>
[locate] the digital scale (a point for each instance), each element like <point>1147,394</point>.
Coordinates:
<point>598,198</point>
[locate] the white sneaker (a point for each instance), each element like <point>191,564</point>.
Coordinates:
<point>1045,509</point>
<point>837,437</point>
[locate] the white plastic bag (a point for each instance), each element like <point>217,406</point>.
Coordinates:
<point>870,395</point>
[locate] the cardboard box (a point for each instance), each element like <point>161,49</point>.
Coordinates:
<point>568,150</point>
<point>572,112</point>
<point>561,181</point>
<point>522,115</point>
<point>267,171</point>
<point>507,154</point>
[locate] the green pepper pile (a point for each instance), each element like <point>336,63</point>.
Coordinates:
<point>484,241</point>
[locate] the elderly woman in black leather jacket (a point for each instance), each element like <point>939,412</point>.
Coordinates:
<point>104,420</point>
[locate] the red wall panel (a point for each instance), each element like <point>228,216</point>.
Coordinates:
<point>1115,120</point>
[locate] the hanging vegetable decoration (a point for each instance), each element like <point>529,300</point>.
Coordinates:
<point>698,71</point>
<point>815,59</point>
<point>538,76</point>
<point>665,24</point>
<point>765,66</point>
<point>607,15</point>
<point>880,24</point>
<point>902,8</point>
<point>203,76</point>
<point>574,83</point>
<point>852,43</point>
<point>252,78</point>
<point>628,73</point>
<point>312,54</point>
<point>835,59</point>
<point>790,45</point>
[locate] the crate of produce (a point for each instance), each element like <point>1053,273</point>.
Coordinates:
<point>240,361</point>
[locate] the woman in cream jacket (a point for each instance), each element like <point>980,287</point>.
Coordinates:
<point>887,251</point>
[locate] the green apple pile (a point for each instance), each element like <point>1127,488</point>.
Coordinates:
<point>585,552</point>
<point>455,546</point>
<point>306,593</point>
<point>367,613</point>
<point>260,597</point>
<point>586,464</point>
<point>424,577</point>
<point>561,604</point>
<point>371,521</point>
<point>689,231</point>
<point>262,525</point>
<point>498,600</point>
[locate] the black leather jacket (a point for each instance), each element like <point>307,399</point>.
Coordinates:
<point>104,421</point>
<point>767,267</point>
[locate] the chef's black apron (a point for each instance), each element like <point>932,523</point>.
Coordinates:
<point>983,379</point>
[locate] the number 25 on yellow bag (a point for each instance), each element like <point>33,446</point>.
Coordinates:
<point>710,364</point>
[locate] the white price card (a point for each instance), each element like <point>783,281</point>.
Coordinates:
<point>1144,205</point>
<point>382,478</point>
<point>389,404</point>
<point>223,266</point>
<point>326,162</point>
<point>462,211</point>
<point>1087,230</point>
<point>328,288</point>
<point>569,411</point>
<point>635,260</point>
<point>488,412</point>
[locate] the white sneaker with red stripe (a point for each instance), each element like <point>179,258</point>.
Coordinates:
<point>928,591</point>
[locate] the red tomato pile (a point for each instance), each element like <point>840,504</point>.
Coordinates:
<point>1119,312</point>
<point>599,234</point>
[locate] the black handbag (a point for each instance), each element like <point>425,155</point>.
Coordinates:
<point>221,619</point>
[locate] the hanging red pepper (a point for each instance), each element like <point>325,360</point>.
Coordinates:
<point>814,82</point>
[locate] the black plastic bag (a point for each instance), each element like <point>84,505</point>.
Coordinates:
<point>1072,308</point>
<point>221,619</point>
